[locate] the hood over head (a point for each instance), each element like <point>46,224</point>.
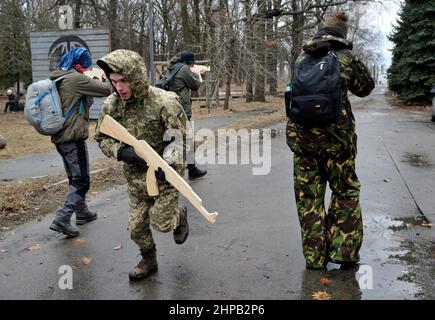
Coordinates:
<point>175,59</point>
<point>132,65</point>
<point>326,39</point>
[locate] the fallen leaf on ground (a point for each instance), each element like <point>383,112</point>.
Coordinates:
<point>33,247</point>
<point>398,238</point>
<point>118,247</point>
<point>86,260</point>
<point>427,225</point>
<point>79,240</point>
<point>325,281</point>
<point>321,295</point>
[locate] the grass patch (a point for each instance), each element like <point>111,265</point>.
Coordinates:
<point>22,138</point>
<point>394,101</point>
<point>31,199</point>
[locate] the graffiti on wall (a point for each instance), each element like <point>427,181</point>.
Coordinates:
<point>62,46</point>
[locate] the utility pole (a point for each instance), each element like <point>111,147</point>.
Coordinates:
<point>152,74</point>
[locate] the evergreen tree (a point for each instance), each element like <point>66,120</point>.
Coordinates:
<point>15,60</point>
<point>412,72</point>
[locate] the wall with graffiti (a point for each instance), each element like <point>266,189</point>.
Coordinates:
<point>48,47</point>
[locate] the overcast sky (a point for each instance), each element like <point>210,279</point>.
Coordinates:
<point>384,16</point>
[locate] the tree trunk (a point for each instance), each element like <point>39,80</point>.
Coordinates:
<point>249,52</point>
<point>185,24</point>
<point>297,34</point>
<point>97,13</point>
<point>272,52</point>
<point>260,49</point>
<point>113,23</point>
<point>77,13</point>
<point>197,14</point>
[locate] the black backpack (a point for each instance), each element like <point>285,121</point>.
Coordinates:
<point>315,93</point>
<point>166,80</point>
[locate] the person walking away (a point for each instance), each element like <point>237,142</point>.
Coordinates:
<point>326,154</point>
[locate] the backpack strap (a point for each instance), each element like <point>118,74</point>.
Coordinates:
<point>59,79</point>
<point>72,109</point>
<point>174,71</point>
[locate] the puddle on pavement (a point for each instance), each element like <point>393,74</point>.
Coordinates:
<point>416,160</point>
<point>405,249</point>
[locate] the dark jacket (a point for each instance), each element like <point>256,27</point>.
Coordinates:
<point>184,81</point>
<point>74,87</point>
<point>339,137</point>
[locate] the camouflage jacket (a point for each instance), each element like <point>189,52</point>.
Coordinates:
<point>184,81</point>
<point>338,137</point>
<point>147,115</point>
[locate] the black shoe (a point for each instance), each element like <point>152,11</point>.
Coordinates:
<point>65,228</point>
<point>85,217</point>
<point>182,231</point>
<point>346,264</point>
<point>314,267</point>
<point>195,172</point>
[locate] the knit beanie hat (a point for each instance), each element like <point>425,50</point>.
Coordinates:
<point>337,20</point>
<point>188,57</point>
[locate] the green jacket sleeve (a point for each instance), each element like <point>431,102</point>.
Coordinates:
<point>108,145</point>
<point>86,86</point>
<point>361,82</point>
<point>190,78</point>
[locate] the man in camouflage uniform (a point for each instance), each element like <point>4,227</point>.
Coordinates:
<point>327,154</point>
<point>146,112</point>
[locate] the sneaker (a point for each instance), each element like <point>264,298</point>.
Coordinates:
<point>85,217</point>
<point>65,228</point>
<point>182,231</point>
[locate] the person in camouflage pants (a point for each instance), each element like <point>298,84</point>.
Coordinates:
<point>147,113</point>
<point>327,155</point>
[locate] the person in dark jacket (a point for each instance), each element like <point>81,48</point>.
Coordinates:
<point>12,102</point>
<point>75,91</point>
<point>327,155</point>
<point>184,81</point>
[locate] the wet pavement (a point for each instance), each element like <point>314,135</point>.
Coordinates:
<point>253,251</point>
<point>43,164</point>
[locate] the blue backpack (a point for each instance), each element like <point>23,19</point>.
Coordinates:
<point>43,109</point>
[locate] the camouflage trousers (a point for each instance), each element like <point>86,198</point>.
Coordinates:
<point>335,235</point>
<point>161,212</point>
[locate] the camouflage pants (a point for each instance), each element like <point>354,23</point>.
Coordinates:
<point>161,212</point>
<point>335,235</point>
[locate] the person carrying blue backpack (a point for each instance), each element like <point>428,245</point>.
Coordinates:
<point>75,90</point>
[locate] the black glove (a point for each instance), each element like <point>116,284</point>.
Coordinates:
<point>128,155</point>
<point>160,176</point>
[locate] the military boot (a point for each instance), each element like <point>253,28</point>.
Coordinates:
<point>85,216</point>
<point>145,266</point>
<point>182,230</point>
<point>65,228</point>
<point>195,172</point>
